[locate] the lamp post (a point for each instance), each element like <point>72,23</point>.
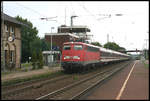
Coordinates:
<point>50,56</point>
<point>72,19</point>
<point>47,19</point>
<point>51,37</point>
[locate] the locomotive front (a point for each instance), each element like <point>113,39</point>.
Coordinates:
<point>72,56</point>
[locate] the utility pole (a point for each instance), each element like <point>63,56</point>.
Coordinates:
<point>2,40</point>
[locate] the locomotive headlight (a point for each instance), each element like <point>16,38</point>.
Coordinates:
<point>66,57</point>
<point>76,57</point>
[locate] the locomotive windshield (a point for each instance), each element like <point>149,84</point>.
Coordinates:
<point>78,47</point>
<point>67,47</point>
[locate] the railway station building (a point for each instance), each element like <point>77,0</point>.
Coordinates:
<point>10,42</point>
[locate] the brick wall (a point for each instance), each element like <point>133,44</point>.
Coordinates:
<point>58,40</point>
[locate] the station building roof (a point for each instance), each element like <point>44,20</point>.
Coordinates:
<point>77,29</point>
<point>8,18</point>
<point>59,34</point>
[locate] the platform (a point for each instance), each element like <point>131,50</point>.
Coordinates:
<point>132,83</point>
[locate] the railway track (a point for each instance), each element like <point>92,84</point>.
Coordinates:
<point>83,92</point>
<point>77,89</point>
<point>8,87</point>
<point>41,88</point>
<point>17,88</point>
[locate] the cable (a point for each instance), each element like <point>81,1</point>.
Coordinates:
<point>94,15</point>
<point>30,9</point>
<point>38,13</point>
<point>87,10</point>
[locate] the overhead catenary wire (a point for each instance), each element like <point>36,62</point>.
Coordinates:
<point>94,15</point>
<point>87,10</point>
<point>30,9</point>
<point>43,16</point>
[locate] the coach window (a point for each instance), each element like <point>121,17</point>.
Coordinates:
<point>102,53</point>
<point>67,47</point>
<point>78,47</point>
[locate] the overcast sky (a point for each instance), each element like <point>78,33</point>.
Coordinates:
<point>129,30</point>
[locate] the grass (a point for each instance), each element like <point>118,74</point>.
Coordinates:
<point>145,65</point>
<point>10,71</point>
<point>75,78</point>
<point>5,73</point>
<point>24,67</point>
<point>26,64</point>
<point>15,81</point>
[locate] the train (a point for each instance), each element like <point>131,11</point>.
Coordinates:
<point>79,56</point>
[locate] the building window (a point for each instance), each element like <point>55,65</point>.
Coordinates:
<point>6,28</point>
<point>12,31</point>
<point>6,56</point>
<point>11,56</point>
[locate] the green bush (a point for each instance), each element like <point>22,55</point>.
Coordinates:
<point>34,65</point>
<point>37,60</point>
<point>40,62</point>
<point>34,59</point>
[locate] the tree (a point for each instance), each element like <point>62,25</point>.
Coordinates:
<point>45,45</point>
<point>36,45</point>
<point>111,45</point>
<point>96,44</point>
<point>114,46</point>
<point>28,35</point>
<point>40,45</point>
<point>122,49</point>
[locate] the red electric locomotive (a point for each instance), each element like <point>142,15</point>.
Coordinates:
<point>78,56</point>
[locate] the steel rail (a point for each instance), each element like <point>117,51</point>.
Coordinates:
<point>15,91</point>
<point>22,83</point>
<point>71,85</point>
